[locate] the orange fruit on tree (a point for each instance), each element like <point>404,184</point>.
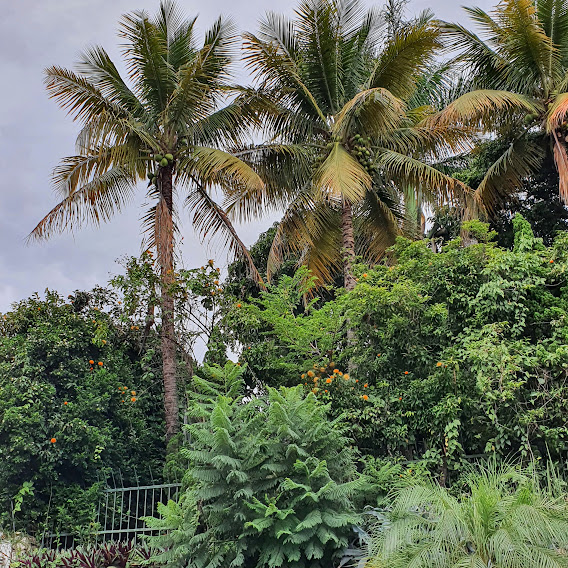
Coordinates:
<point>53,440</point>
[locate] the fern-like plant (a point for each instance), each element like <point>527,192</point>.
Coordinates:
<point>273,478</point>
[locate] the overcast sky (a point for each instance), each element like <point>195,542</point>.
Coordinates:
<point>35,134</point>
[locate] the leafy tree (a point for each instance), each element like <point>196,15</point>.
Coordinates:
<point>349,135</point>
<point>273,477</point>
<point>502,519</point>
<point>165,124</point>
<point>522,51</point>
<point>79,402</point>
<point>458,353</point>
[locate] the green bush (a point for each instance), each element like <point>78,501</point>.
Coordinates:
<point>66,423</point>
<point>503,518</point>
<point>273,478</point>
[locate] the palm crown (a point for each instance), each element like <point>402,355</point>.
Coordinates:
<point>166,123</point>
<point>348,135</point>
<point>522,49</point>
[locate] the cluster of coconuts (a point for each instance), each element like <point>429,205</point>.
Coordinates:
<point>363,153</point>
<point>163,161</point>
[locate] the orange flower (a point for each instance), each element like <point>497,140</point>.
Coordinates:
<point>303,376</point>
<point>346,377</point>
<point>100,363</point>
<point>210,262</point>
<point>310,373</point>
<point>365,397</point>
<point>133,399</point>
<point>53,440</point>
<point>551,261</point>
<point>122,400</point>
<point>439,364</point>
<point>104,341</point>
<point>365,275</point>
<point>406,372</point>
<point>336,371</point>
<point>65,403</point>
<point>356,380</point>
<point>316,379</point>
<point>326,390</point>
<point>365,385</point>
<point>378,354</point>
<point>239,305</point>
<point>400,398</point>
<point>91,362</point>
<point>133,393</point>
<point>328,380</point>
<point>322,369</point>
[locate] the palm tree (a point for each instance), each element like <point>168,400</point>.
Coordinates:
<point>503,520</point>
<point>347,139</point>
<point>167,122</point>
<point>522,49</point>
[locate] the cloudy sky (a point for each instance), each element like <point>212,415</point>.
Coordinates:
<point>35,134</point>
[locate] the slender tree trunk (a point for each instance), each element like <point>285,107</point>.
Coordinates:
<point>348,250</point>
<point>348,245</point>
<point>165,246</point>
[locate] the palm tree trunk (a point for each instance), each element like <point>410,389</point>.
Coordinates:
<point>348,248</point>
<point>165,246</point>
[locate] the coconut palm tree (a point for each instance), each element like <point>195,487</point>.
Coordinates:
<point>168,122</point>
<point>521,48</point>
<point>503,520</point>
<point>348,138</point>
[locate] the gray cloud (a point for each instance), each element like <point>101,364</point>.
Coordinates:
<point>35,134</point>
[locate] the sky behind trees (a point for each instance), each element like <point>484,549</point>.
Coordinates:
<point>35,133</point>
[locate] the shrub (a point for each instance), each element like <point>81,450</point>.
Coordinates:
<point>502,519</point>
<point>273,478</point>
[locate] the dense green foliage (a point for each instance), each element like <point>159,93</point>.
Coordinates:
<point>274,479</point>
<point>459,353</point>
<point>79,402</point>
<point>503,518</point>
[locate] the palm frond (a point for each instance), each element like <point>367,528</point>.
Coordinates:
<point>217,167</point>
<point>146,53</point>
<point>94,202</point>
<point>284,168</point>
<point>209,219</point>
<point>561,161</point>
<point>371,111</point>
<point>557,112</point>
<point>437,187</point>
<point>97,67</point>
<point>406,57</point>
<point>506,174</point>
<point>485,108</point>
<point>377,223</point>
<point>341,177</point>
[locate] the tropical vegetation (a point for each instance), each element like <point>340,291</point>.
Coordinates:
<point>381,379</point>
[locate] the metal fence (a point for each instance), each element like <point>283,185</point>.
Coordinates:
<point>119,515</point>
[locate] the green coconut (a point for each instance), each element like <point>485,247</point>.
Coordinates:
<point>158,157</point>
<point>164,162</point>
<point>169,157</point>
